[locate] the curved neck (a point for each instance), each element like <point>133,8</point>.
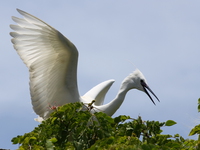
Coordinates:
<point>112,106</point>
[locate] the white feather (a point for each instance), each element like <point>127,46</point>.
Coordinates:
<point>52,62</point>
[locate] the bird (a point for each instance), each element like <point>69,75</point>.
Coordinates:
<point>52,62</point>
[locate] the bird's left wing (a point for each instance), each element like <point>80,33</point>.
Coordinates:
<point>51,59</point>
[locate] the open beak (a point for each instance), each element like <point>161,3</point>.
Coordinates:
<point>145,86</point>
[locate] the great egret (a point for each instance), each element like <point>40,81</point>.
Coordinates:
<point>52,62</point>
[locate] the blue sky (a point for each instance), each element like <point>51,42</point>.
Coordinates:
<point>161,38</point>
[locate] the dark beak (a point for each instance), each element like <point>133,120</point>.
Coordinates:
<point>145,86</point>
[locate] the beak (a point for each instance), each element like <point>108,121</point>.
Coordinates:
<point>145,86</point>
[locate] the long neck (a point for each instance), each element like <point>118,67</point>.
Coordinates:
<point>112,106</point>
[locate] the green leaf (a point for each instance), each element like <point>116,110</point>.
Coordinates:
<point>199,105</point>
<point>15,140</point>
<point>53,140</point>
<point>121,118</point>
<point>49,145</point>
<point>198,108</point>
<point>176,135</point>
<point>195,130</point>
<point>170,123</point>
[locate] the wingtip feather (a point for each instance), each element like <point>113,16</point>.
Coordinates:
<point>19,10</point>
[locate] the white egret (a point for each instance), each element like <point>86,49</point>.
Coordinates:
<point>52,62</point>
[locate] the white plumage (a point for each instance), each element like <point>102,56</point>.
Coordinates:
<point>52,62</point>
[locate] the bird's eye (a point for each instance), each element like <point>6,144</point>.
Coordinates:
<point>142,82</point>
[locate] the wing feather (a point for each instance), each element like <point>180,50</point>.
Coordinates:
<point>51,59</point>
<point>98,92</point>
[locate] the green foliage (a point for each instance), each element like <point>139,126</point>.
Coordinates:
<point>69,127</point>
<point>170,123</point>
<point>199,105</point>
<point>196,129</point>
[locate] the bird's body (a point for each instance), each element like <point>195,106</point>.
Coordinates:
<point>52,62</point>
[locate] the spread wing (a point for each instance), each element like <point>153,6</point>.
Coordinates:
<point>98,93</point>
<point>51,59</point>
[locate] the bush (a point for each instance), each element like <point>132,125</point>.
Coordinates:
<point>69,127</point>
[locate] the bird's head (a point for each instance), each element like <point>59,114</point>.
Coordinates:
<point>136,80</point>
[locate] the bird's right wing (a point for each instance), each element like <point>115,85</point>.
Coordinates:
<point>51,59</point>
<point>98,92</point>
